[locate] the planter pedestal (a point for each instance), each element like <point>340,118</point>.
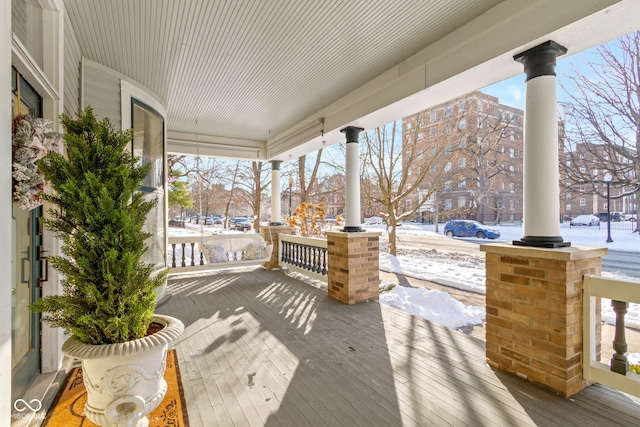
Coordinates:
<point>125,382</point>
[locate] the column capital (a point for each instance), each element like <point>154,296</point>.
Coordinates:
<point>352,133</point>
<point>275,165</point>
<point>540,60</point>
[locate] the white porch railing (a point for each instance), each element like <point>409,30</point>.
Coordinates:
<point>306,255</point>
<point>209,252</point>
<point>616,374</point>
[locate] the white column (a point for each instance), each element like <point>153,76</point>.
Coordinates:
<point>352,176</point>
<point>276,209</point>
<point>541,187</point>
<point>5,214</point>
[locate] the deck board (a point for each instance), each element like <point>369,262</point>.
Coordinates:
<point>261,348</point>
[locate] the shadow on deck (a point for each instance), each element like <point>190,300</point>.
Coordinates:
<point>261,348</point>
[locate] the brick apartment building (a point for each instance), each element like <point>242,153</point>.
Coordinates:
<point>481,161</point>
<point>584,189</point>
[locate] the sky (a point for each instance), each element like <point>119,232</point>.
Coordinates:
<point>511,91</point>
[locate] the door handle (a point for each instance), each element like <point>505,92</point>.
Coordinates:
<point>23,270</point>
<point>44,266</point>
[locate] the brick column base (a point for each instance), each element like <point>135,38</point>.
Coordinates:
<point>534,312</point>
<point>353,266</point>
<point>270,235</point>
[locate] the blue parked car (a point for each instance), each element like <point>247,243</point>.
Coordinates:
<point>464,228</point>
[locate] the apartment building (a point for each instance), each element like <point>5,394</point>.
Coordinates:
<point>478,170</point>
<point>586,169</point>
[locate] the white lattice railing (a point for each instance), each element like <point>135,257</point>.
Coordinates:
<point>615,374</point>
<point>306,255</point>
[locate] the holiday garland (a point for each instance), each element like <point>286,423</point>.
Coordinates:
<point>31,141</point>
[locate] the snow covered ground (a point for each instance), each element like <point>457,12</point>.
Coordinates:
<point>466,272</point>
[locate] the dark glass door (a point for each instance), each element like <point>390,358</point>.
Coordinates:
<point>26,236</point>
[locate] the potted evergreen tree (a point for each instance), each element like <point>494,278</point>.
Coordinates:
<point>108,299</point>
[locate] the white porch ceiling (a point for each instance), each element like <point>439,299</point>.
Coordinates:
<point>250,72</point>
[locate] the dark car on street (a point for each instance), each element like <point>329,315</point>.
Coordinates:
<point>242,224</point>
<point>466,228</point>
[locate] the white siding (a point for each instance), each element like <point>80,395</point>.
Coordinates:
<point>72,58</point>
<point>101,91</point>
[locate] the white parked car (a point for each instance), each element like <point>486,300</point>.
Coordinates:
<point>587,220</point>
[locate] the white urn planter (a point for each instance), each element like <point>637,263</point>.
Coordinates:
<point>125,382</point>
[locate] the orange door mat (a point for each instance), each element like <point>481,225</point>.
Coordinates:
<point>67,409</point>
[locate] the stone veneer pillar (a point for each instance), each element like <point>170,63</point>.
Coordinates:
<point>534,312</point>
<point>271,235</point>
<point>353,266</point>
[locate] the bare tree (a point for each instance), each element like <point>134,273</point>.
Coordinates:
<point>602,131</point>
<point>252,181</point>
<point>206,185</point>
<point>494,152</point>
<point>232,179</point>
<point>307,185</point>
<point>396,168</point>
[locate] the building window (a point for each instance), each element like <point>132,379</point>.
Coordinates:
<point>419,154</point>
<point>447,167</point>
<point>605,206</point>
<point>583,170</point>
<point>433,116</point>
<point>447,185</point>
<point>462,124</point>
<point>511,170</point>
<point>462,163</point>
<point>512,135</point>
<point>433,132</point>
<point>512,205</point>
<point>448,112</point>
<point>479,104</point>
<point>512,153</point>
<point>462,105</point>
<point>447,204</point>
<point>462,202</point>
<point>512,187</point>
<point>448,149</point>
<point>479,122</point>
<point>568,207</point>
<point>583,201</point>
<point>462,184</point>
<point>463,143</point>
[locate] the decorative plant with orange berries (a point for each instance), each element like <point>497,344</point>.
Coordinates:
<point>310,220</point>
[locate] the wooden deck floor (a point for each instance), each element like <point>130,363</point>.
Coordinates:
<point>261,348</point>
